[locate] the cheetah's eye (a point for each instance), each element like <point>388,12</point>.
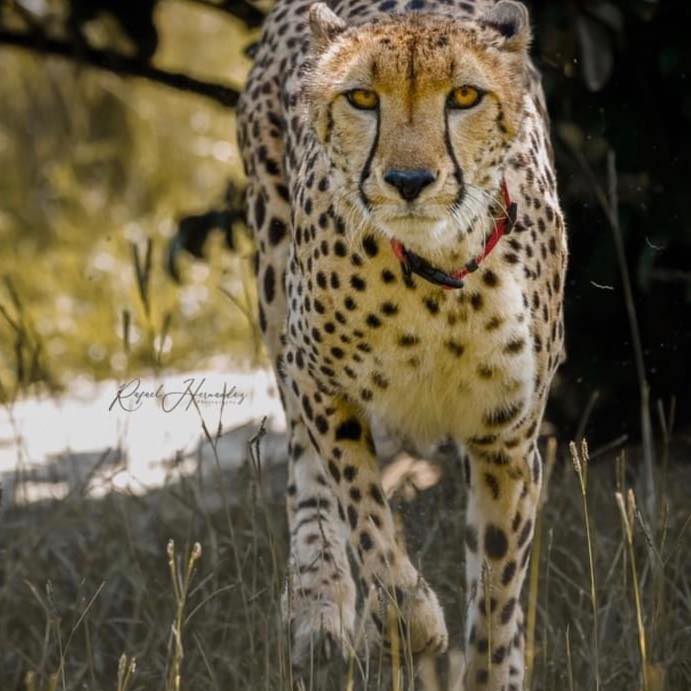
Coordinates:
<point>464,97</point>
<point>362,99</point>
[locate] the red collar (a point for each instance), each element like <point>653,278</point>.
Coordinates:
<point>414,264</point>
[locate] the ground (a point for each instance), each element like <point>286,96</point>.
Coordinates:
<point>83,581</point>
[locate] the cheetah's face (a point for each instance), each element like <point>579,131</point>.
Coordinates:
<point>418,114</point>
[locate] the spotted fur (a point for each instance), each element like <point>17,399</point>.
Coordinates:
<point>352,337</point>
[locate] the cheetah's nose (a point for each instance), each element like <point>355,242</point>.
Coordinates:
<point>409,183</point>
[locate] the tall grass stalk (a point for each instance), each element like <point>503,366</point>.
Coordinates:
<point>627,512</point>
<point>580,463</point>
<point>534,576</point>
<point>126,669</point>
<point>181,580</point>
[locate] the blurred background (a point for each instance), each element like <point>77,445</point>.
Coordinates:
<point>123,253</point>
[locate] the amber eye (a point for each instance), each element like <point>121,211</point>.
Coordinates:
<point>464,97</point>
<point>363,99</point>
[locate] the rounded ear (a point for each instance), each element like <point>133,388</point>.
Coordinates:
<point>510,18</point>
<point>325,26</point>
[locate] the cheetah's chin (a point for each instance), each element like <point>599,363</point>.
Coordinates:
<point>427,236</point>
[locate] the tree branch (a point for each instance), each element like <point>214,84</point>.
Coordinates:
<point>118,63</point>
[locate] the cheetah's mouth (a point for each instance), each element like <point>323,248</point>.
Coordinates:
<point>414,264</point>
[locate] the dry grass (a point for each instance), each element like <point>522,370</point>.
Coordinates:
<point>89,586</point>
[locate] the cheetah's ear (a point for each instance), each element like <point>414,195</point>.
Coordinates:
<point>325,26</point>
<point>511,20</point>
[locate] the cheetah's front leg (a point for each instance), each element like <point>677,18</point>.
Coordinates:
<point>319,600</point>
<point>505,479</point>
<point>342,439</point>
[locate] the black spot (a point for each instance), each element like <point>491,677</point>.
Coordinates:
<point>340,249</point>
<point>514,346</point>
<point>352,517</point>
<point>357,282</point>
<point>376,494</point>
<point>387,276</point>
<point>492,484</point>
<point>259,211</point>
<point>408,340</point>
<point>380,380</point>
<point>314,503</point>
<point>498,655</point>
<point>355,494</point>
<point>335,472</point>
<point>525,533</point>
<point>508,573</point>
<point>482,676</point>
<point>321,423</point>
<point>373,321</point>
<point>321,279</point>
<point>496,543</point>
<point>507,611</point>
<point>389,309</point>
<point>484,372</point>
<point>375,519</point>
<point>489,278</point>
<point>455,347</point>
<point>269,283</point>
<point>484,603</point>
<point>350,430</point>
<point>476,301</point>
<point>277,231</point>
<point>307,407</point>
<point>502,416</point>
<point>369,244</point>
<point>525,557</point>
<point>350,473</point>
<point>366,541</point>
<point>432,305</point>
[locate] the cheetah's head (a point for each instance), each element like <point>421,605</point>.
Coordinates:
<point>418,113</point>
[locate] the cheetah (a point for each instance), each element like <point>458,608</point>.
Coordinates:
<point>410,270</point>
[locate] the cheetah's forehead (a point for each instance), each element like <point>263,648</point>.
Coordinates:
<point>430,52</point>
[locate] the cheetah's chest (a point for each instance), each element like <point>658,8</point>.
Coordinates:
<point>428,362</point>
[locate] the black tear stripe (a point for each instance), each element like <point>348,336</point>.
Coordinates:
<point>367,168</point>
<point>457,172</point>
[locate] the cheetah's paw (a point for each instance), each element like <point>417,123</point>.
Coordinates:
<point>413,615</point>
<point>321,628</point>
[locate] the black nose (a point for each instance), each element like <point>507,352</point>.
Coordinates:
<point>409,183</point>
